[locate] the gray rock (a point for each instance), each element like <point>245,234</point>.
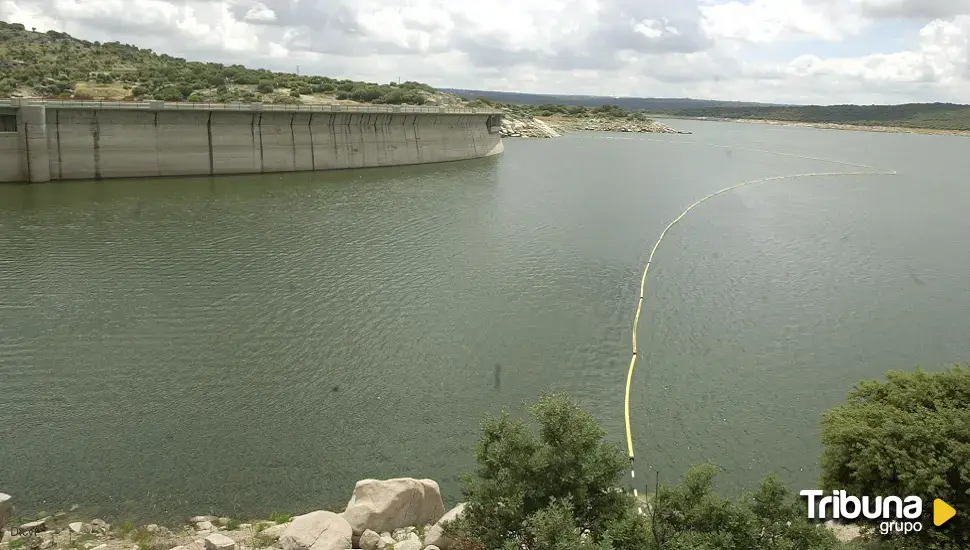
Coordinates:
<point>409,544</point>
<point>431,547</point>
<point>197,519</point>
<point>218,541</point>
<point>74,507</point>
<point>386,541</point>
<point>245,525</point>
<point>369,540</point>
<point>437,535</point>
<point>384,505</point>
<point>386,534</point>
<point>35,526</point>
<point>100,525</point>
<point>274,532</point>
<point>223,521</point>
<point>151,528</point>
<point>399,534</point>
<point>204,526</point>
<point>320,530</point>
<point>79,528</point>
<point>6,509</point>
<point>46,543</point>
<point>100,547</point>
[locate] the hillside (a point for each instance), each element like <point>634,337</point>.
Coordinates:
<point>57,65</point>
<point>626,103</point>
<point>934,116</point>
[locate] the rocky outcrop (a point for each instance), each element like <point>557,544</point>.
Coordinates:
<point>526,126</point>
<point>320,530</point>
<point>385,505</point>
<point>438,534</point>
<point>6,509</point>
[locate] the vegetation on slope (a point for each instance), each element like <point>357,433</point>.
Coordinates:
<point>554,487</point>
<point>934,116</point>
<point>57,65</point>
<point>558,110</point>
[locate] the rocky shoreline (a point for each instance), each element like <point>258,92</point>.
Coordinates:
<point>397,514</point>
<point>392,514</point>
<point>524,125</point>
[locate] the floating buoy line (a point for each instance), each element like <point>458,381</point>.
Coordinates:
<point>869,171</point>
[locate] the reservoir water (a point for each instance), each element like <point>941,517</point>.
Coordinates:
<point>246,344</point>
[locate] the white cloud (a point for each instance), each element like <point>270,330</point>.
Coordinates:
<point>697,48</point>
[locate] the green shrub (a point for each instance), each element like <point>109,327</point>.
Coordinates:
<point>265,86</point>
<point>556,489</point>
<point>195,97</point>
<point>909,435</point>
<point>323,88</point>
<point>169,93</point>
<point>519,473</point>
<point>139,91</point>
<point>281,517</point>
<point>692,515</point>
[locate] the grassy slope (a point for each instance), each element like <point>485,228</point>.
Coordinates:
<point>58,65</point>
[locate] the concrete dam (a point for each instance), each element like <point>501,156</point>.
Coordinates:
<point>43,140</point>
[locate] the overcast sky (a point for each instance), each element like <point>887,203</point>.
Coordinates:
<point>800,51</point>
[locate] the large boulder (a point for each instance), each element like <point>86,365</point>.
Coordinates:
<point>385,505</point>
<point>438,534</point>
<point>320,530</point>
<point>6,509</point>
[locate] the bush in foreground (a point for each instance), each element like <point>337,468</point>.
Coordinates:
<point>909,435</point>
<point>555,488</point>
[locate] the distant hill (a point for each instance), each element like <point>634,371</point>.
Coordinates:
<point>936,116</point>
<point>629,103</point>
<point>57,65</point>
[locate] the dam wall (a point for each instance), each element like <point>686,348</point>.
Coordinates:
<point>64,140</point>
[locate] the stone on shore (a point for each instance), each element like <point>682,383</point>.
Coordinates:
<point>369,540</point>
<point>6,509</point>
<point>35,526</point>
<point>218,541</point>
<point>79,528</point>
<point>100,526</point>
<point>197,519</point>
<point>384,505</point>
<point>274,532</point>
<point>437,535</point>
<point>412,542</point>
<point>320,530</point>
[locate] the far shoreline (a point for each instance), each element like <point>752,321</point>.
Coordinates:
<point>829,125</point>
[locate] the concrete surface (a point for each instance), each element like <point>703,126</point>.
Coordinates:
<point>62,140</point>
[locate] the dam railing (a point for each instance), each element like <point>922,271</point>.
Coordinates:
<point>248,107</point>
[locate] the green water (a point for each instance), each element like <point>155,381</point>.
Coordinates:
<point>246,344</point>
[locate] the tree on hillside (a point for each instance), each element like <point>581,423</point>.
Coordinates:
<point>909,435</point>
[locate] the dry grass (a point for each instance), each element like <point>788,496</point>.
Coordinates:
<point>90,90</point>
